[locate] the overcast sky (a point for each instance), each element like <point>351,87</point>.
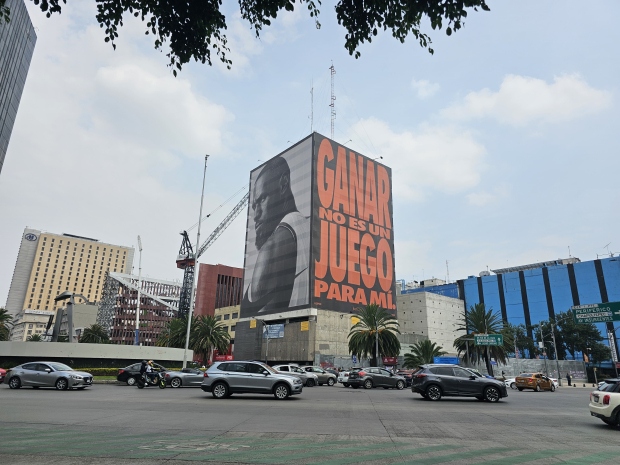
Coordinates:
<point>503,143</point>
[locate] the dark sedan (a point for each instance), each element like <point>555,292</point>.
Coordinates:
<point>132,372</point>
<point>375,377</point>
<point>435,381</point>
<point>407,374</point>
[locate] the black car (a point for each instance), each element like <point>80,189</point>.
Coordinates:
<point>434,381</point>
<point>129,374</point>
<point>375,377</point>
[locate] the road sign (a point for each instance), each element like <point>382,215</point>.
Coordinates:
<point>449,360</point>
<point>488,339</point>
<point>354,358</point>
<point>273,331</point>
<point>612,346</point>
<point>596,313</point>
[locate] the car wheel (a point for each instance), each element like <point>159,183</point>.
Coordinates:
<point>331,382</point>
<point>281,392</point>
<point>131,381</point>
<point>368,384</point>
<point>310,383</point>
<point>520,389</point>
<point>552,388</point>
<point>15,383</point>
<point>345,384</point>
<point>433,392</point>
<point>491,394</point>
<point>175,382</point>
<point>400,385</point>
<point>220,390</point>
<point>62,384</point>
<point>537,389</point>
<point>513,386</point>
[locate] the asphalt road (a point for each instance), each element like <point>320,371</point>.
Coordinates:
<point>327,425</point>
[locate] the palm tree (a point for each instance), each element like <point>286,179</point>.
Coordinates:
<point>375,325</point>
<point>6,322</point>
<point>95,334</point>
<point>174,334</point>
<point>207,335</point>
<point>34,338</point>
<point>479,320</point>
<point>422,353</point>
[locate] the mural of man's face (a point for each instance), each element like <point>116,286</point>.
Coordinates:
<point>267,206</point>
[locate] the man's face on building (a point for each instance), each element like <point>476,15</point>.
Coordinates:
<point>267,205</point>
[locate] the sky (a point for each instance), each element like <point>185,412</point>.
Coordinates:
<point>502,144</point>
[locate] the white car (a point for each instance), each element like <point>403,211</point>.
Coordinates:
<point>605,402</point>
<point>343,376</point>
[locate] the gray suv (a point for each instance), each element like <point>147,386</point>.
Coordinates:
<point>226,378</point>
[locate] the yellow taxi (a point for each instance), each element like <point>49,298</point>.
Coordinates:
<point>536,381</point>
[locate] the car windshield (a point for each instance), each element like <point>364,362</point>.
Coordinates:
<point>268,368</point>
<point>526,375</point>
<point>60,367</point>
<point>476,372</point>
<point>607,387</point>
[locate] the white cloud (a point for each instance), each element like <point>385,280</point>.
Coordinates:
<point>443,159</point>
<point>424,88</point>
<point>521,100</point>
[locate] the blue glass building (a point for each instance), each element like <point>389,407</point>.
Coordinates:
<point>532,293</point>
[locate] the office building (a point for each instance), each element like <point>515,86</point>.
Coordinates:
<point>30,322</point>
<point>228,316</point>
<point>159,303</point>
<point>49,264</point>
<point>17,40</point>
<point>218,286</point>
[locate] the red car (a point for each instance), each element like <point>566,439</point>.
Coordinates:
<point>2,375</point>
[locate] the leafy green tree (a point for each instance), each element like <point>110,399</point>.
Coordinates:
<point>518,334</point>
<point>174,333</point>
<point>95,334</point>
<point>422,353</point>
<point>599,353</point>
<point>208,335</point>
<point>547,327</point>
<point>193,29</point>
<point>374,320</point>
<point>6,323</point>
<point>479,320</point>
<point>34,338</point>
<point>577,337</point>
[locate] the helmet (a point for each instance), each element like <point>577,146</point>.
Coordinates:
<point>143,362</point>
<point>150,362</point>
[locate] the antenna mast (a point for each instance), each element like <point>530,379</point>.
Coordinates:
<point>448,271</point>
<point>333,100</point>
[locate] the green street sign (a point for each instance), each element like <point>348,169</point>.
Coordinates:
<point>596,313</point>
<point>488,339</point>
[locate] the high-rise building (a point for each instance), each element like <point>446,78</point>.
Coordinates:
<point>218,286</point>
<point>17,39</point>
<point>49,264</point>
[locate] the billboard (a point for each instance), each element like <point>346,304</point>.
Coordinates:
<point>319,232</point>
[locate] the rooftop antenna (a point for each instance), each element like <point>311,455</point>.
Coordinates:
<point>569,252</point>
<point>311,106</point>
<point>333,99</point>
<point>607,247</point>
<point>448,273</point>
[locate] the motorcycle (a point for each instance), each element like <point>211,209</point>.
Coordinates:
<point>145,380</point>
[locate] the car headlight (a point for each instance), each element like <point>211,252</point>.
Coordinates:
<point>76,377</point>
<point>297,381</point>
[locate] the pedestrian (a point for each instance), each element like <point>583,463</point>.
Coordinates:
<point>568,378</point>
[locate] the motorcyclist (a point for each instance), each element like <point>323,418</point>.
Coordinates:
<point>149,371</point>
<point>143,368</point>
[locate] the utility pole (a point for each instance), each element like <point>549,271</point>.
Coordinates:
<point>555,348</point>
<point>542,339</point>
<point>137,341</point>
<point>516,353</point>
<point>376,341</point>
<point>190,312</point>
<point>333,99</point>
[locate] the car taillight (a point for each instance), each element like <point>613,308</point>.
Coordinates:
<point>361,373</point>
<point>121,371</point>
<point>606,399</point>
<point>420,376</point>
<point>206,375</point>
<point>167,375</point>
<point>531,379</point>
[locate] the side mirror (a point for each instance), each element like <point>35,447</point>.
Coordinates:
<point>472,377</point>
<point>48,370</point>
<point>391,374</point>
<point>266,373</point>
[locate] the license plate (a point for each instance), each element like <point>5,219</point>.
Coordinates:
<point>595,399</point>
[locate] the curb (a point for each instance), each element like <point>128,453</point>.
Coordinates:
<point>105,381</point>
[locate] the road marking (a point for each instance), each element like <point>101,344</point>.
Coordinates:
<point>383,455</point>
<point>543,454</point>
<point>458,456</point>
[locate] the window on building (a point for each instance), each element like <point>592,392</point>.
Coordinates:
<point>227,317</point>
<point>235,315</point>
<point>232,328</point>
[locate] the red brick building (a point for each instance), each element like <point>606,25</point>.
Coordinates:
<point>218,286</point>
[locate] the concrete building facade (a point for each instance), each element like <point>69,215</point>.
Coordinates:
<point>17,41</point>
<point>49,264</point>
<point>84,315</point>
<point>433,316</point>
<point>218,286</point>
<point>30,322</point>
<point>229,316</point>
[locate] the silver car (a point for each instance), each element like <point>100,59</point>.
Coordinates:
<point>47,374</point>
<point>188,377</point>
<point>308,379</point>
<point>225,378</point>
<point>323,376</point>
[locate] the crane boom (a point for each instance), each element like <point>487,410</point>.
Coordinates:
<point>186,259</point>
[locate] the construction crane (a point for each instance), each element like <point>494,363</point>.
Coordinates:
<point>186,260</point>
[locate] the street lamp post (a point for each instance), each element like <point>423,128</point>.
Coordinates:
<point>555,349</point>
<point>137,341</point>
<point>542,339</point>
